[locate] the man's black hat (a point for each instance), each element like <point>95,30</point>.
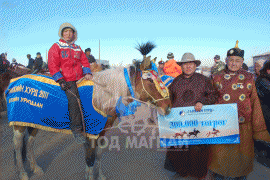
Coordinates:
<point>38,53</point>
<point>87,50</point>
<point>217,57</point>
<point>236,51</point>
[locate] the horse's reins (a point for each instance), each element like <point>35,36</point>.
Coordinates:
<point>78,82</point>
<point>80,110</point>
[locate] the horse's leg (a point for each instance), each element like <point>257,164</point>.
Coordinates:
<point>98,150</point>
<point>2,108</point>
<point>109,124</point>
<point>18,144</point>
<point>153,117</point>
<point>90,157</point>
<point>33,164</point>
<point>98,158</point>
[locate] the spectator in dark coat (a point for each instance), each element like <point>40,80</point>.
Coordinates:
<point>14,62</point>
<point>38,63</point>
<point>258,66</point>
<point>1,63</point>
<point>30,61</point>
<point>263,89</point>
<point>89,56</point>
<point>4,63</point>
<point>160,68</point>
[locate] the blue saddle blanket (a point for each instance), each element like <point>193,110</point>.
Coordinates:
<point>38,101</point>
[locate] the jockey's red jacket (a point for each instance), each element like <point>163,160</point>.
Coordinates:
<point>70,58</point>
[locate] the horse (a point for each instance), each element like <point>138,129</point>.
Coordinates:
<point>194,133</point>
<point>181,134</point>
<point>109,85</point>
<point>215,131</point>
<point>5,77</point>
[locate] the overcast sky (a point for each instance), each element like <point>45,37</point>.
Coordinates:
<point>204,28</point>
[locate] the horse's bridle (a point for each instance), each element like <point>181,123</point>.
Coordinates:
<point>154,101</point>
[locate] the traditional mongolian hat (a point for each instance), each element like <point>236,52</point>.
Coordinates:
<point>189,57</point>
<point>236,51</point>
<point>161,62</point>
<point>38,53</point>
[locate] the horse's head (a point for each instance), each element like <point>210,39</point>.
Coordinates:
<point>12,72</point>
<point>149,87</point>
<point>95,67</point>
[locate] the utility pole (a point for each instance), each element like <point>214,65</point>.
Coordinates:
<point>46,56</point>
<point>99,52</point>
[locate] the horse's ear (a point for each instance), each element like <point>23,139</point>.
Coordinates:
<point>146,63</point>
<point>132,71</point>
<point>154,60</point>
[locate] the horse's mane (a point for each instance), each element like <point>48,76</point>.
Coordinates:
<point>109,85</point>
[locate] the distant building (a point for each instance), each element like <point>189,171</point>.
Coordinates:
<point>205,70</point>
<point>104,62</point>
<point>264,56</point>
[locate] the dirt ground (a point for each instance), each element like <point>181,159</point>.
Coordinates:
<point>61,158</point>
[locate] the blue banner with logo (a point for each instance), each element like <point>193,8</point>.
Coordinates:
<point>38,101</point>
<point>214,124</point>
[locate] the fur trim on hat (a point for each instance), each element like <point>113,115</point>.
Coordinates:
<point>68,25</point>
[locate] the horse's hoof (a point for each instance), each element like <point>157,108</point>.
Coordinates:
<point>89,173</point>
<point>89,177</point>
<point>101,177</point>
<point>24,176</point>
<point>38,170</point>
